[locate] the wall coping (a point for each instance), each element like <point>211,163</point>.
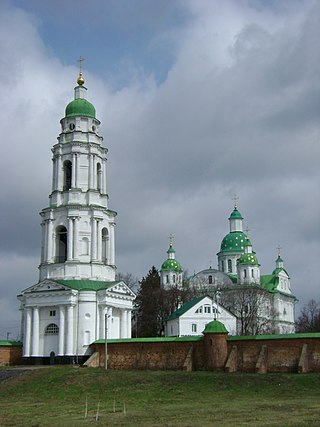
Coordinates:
<point>6,343</point>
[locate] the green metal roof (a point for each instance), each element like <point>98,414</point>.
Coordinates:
<point>248,259</point>
<point>235,214</point>
<point>86,285</point>
<point>215,327</point>
<point>234,242</point>
<point>184,308</point>
<point>9,343</point>
<point>80,107</point>
<point>171,264</point>
<point>274,336</point>
<point>151,339</point>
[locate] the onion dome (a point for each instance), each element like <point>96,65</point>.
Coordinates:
<point>248,259</point>
<point>215,327</point>
<point>233,242</point>
<point>235,214</point>
<point>171,264</point>
<point>80,107</point>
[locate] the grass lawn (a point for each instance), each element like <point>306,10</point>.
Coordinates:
<point>57,397</point>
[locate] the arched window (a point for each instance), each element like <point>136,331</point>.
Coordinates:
<point>85,246</point>
<point>229,266</point>
<point>52,329</point>
<point>99,177</point>
<point>210,280</point>
<point>61,244</point>
<point>67,174</point>
<point>244,273</point>
<point>174,278</point>
<point>222,265</point>
<point>105,238</point>
<point>252,272</point>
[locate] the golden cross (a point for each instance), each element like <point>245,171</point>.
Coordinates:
<point>170,239</point>
<point>247,231</point>
<point>279,250</point>
<point>80,60</point>
<point>235,198</point>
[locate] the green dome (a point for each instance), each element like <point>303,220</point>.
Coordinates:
<point>171,264</point>
<point>235,214</point>
<point>233,242</point>
<point>80,107</point>
<point>250,259</point>
<point>215,327</point>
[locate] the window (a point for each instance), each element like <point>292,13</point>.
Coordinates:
<point>207,309</point>
<point>67,172</point>
<point>284,311</point>
<point>61,244</point>
<point>99,177</point>
<point>105,238</point>
<point>252,272</point>
<point>210,280</point>
<point>167,278</point>
<point>244,273</point>
<point>229,266</point>
<point>194,327</point>
<point>52,313</point>
<point>52,329</point>
<point>199,310</point>
<point>174,278</point>
<point>222,265</point>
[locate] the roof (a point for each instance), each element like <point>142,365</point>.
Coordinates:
<point>150,339</point>
<point>185,308</point>
<point>215,327</point>
<point>171,264</point>
<point>233,242</point>
<point>80,107</point>
<point>248,259</point>
<point>235,214</point>
<point>274,336</point>
<point>87,285</point>
<point>9,343</point>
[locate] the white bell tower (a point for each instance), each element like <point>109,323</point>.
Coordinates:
<point>77,226</point>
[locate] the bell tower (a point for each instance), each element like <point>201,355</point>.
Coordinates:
<point>78,226</point>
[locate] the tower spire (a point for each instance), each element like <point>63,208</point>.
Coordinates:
<point>80,79</point>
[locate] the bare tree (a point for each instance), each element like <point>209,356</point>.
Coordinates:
<point>309,319</point>
<point>252,306</point>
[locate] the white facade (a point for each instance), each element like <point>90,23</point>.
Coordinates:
<point>77,299</point>
<point>192,318</point>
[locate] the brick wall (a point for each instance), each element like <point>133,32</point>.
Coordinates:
<point>10,354</point>
<point>250,354</point>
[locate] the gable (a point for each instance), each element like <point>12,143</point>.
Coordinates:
<point>46,286</point>
<point>122,289</point>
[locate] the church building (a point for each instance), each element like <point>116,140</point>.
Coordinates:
<point>77,299</point>
<point>238,286</point>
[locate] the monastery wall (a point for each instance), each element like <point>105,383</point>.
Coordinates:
<point>260,354</point>
<point>10,354</point>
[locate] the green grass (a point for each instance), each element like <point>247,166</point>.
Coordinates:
<point>50,397</point>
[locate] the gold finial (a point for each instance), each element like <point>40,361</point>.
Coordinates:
<point>247,232</point>
<point>170,239</point>
<point>279,250</point>
<point>80,79</point>
<point>235,198</point>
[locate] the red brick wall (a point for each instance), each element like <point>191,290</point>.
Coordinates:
<point>10,355</point>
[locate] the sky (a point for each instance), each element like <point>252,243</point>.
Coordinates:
<point>199,100</point>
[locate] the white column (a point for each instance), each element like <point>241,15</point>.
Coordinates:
<point>43,238</point>
<point>123,323</point>
<point>59,181</point>
<point>70,239</point>
<point>97,332</point>
<point>35,332</point>
<point>99,241</point>
<point>129,315</point>
<point>61,329</point>
<point>94,240</point>
<point>54,167</point>
<point>77,170</point>
<point>27,335</point>
<point>69,346</point>
<point>49,240</point>
<point>90,171</point>
<point>75,238</point>
<point>109,324</point>
<point>112,248</point>
<point>74,168</point>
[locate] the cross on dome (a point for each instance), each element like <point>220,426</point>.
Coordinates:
<point>279,250</point>
<point>235,198</point>
<point>171,237</point>
<point>80,79</point>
